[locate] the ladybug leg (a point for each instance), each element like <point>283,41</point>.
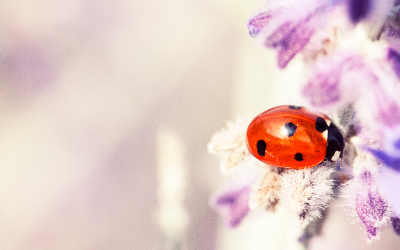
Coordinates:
<point>341,158</point>
<point>335,146</point>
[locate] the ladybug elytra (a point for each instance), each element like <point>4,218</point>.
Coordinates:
<point>294,137</point>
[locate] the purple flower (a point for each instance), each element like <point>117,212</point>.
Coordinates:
<point>373,13</point>
<point>391,28</point>
<point>389,111</point>
<point>369,204</point>
<point>358,9</point>
<point>378,107</point>
<point>390,155</point>
<point>390,161</point>
<point>259,22</point>
<point>394,59</point>
<point>232,202</point>
<point>396,224</point>
<point>391,31</point>
<point>233,205</point>
<point>289,40</point>
<point>288,28</point>
<point>323,87</point>
<point>332,78</point>
<point>371,208</point>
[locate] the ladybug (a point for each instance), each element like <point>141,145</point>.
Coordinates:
<point>294,137</point>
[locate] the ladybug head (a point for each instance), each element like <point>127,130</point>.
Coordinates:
<point>335,146</point>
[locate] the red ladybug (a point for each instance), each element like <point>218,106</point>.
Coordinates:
<point>294,137</point>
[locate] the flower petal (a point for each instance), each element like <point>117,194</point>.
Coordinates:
<point>359,9</point>
<point>365,200</point>
<point>288,28</point>
<point>395,224</point>
<point>332,78</point>
<point>233,205</point>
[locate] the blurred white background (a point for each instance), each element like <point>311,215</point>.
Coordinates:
<point>85,89</point>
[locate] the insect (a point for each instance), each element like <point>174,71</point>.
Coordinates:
<point>294,137</point>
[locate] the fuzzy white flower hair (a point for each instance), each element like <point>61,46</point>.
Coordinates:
<point>306,192</point>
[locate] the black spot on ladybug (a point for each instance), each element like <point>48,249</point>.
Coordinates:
<point>294,107</point>
<point>298,157</point>
<point>261,146</point>
<point>321,125</point>
<point>290,128</point>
